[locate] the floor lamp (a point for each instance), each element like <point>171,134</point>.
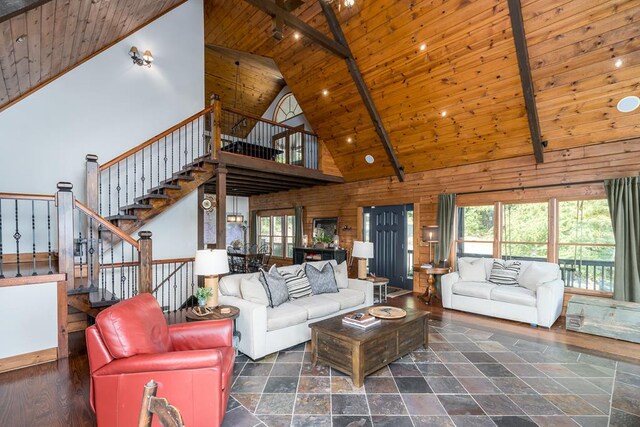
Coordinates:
<point>210,263</point>
<point>362,251</point>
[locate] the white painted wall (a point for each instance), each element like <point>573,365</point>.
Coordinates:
<point>30,325</point>
<point>105,107</point>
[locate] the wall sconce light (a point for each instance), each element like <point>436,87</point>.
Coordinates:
<point>145,60</point>
<point>430,236</point>
<point>305,240</point>
<point>346,228</point>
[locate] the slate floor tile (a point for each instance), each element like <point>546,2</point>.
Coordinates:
<point>349,404</point>
<point>597,360</point>
<point>472,421</point>
<point>572,405</point>
<point>256,369</point>
<point>512,385</point>
<point>535,404</point>
<point>276,420</point>
<point>446,385</point>
<point>276,404</point>
<point>239,417</point>
<point>629,368</point>
<point>248,400</point>
<point>290,357</point>
<point>386,421</point>
<point>478,385</point>
<point>555,370</point>
<point>554,421</point>
<point>497,404</point>
<point>404,370</point>
<point>494,370</point>
<point>466,346</point>
<point>433,369</point>
<point>592,421</point>
<point>281,385</point>
<point>604,383</point>
<point>432,421</point>
<point>442,346</point>
<point>308,370</point>
<point>423,404</point>
<point>412,385</point>
<point>350,421</point>
<point>623,419</point>
<point>513,421</point>
<point>249,385</point>
<point>286,369</point>
<point>601,401</point>
<point>451,357</point>
<point>386,404</point>
<point>629,379</point>
<point>380,385</point>
<point>626,398</point>
<point>524,370</point>
<point>314,385</point>
<point>344,385</point>
<point>546,385</point>
<point>311,421</point>
<point>458,404</point>
<point>382,372</point>
<point>490,346</point>
<point>313,404</point>
<point>506,357</point>
<point>425,357</point>
<point>478,357</point>
<point>464,370</point>
<point>580,386</point>
<point>586,370</point>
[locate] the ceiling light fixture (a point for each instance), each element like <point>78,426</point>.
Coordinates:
<point>21,38</point>
<point>145,60</point>
<point>618,63</point>
<point>423,47</point>
<point>296,35</point>
<point>369,159</point>
<point>349,140</point>
<point>349,3</point>
<point>325,92</point>
<point>628,104</point>
<point>235,216</point>
<point>443,114</point>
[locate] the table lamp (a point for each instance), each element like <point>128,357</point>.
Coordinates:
<point>211,263</point>
<point>362,251</point>
<point>430,236</point>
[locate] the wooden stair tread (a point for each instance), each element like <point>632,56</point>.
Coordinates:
<point>135,206</point>
<point>151,196</point>
<point>102,298</point>
<point>121,217</point>
<point>182,176</point>
<point>166,186</point>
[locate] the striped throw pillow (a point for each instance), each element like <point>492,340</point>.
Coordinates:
<point>297,284</point>
<point>505,274</point>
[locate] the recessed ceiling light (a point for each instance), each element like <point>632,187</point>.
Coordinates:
<point>423,47</point>
<point>628,104</point>
<point>349,140</point>
<point>349,3</point>
<point>618,63</point>
<point>325,92</point>
<point>369,159</point>
<point>296,35</point>
<point>443,114</point>
<point>21,38</point>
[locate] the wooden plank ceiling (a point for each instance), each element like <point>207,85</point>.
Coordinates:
<point>468,69</point>
<point>259,79</point>
<point>39,43</point>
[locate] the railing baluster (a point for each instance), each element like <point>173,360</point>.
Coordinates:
<point>81,265</point>
<point>172,159</point>
<point>135,170</point>
<point>118,188</point>
<point>109,192</point>
<point>113,272</point>
<point>91,250</point>
<point>103,283</point>
<point>126,182</point>
<point>192,152</point>
<point>33,236</point>
<point>158,163</point>
<point>1,248</point>
<point>122,275</point>
<point>186,151</point>
<point>165,158</point>
<point>150,166</point>
<point>17,237</point>
<point>100,194</point>
<point>142,179</point>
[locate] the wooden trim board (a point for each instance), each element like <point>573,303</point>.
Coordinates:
<point>28,359</point>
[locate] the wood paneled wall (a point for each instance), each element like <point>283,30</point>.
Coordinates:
<point>561,168</point>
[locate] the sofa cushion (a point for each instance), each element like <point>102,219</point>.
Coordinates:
<point>134,326</point>
<point>297,284</point>
<point>275,286</point>
<point>538,273</point>
<point>341,272</point>
<point>505,273</point>
<point>322,281</point>
<point>292,269</point>
<point>230,285</point>
<point>285,315</point>
<point>317,306</point>
<point>347,298</point>
<point>471,269</point>
<point>474,289</point>
<point>252,290</point>
<point>514,295</point>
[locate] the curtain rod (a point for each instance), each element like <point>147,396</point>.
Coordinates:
<point>531,187</point>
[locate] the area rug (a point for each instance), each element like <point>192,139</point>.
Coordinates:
<point>398,293</point>
<point>466,377</point>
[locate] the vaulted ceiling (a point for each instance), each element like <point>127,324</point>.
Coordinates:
<point>460,99</point>
<point>39,40</point>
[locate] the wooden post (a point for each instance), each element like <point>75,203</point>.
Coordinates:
<point>221,206</point>
<point>93,203</point>
<point>145,283</point>
<point>216,122</point>
<point>552,244</point>
<point>63,307</point>
<point>65,206</point>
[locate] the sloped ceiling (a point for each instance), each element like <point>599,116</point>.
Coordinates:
<point>259,80</point>
<point>468,70</point>
<point>60,34</point>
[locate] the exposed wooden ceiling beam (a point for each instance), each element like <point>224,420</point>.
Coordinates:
<point>354,70</point>
<point>522,53</point>
<point>269,7</point>
<point>11,8</point>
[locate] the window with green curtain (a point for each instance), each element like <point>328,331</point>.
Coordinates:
<point>475,231</point>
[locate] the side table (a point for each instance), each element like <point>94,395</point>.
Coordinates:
<point>381,284</point>
<point>218,315</point>
<point>431,291</point>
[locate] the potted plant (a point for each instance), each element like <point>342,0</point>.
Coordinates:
<point>322,239</point>
<point>202,294</point>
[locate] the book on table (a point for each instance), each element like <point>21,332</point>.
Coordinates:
<point>361,320</point>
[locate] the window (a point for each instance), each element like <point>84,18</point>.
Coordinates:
<point>475,231</point>
<point>525,231</point>
<point>277,232</point>
<point>586,246</point>
<point>287,108</point>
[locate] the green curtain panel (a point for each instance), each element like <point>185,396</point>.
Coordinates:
<point>623,195</point>
<point>446,217</point>
<point>297,226</point>
<point>253,228</point>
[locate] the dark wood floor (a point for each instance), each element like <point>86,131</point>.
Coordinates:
<point>57,393</point>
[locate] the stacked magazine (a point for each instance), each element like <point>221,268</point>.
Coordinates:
<point>361,320</point>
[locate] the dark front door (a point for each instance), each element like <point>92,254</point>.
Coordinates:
<point>387,231</point>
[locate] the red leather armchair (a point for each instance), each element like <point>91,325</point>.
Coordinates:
<point>131,344</point>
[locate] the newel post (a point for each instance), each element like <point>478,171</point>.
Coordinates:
<point>65,205</point>
<point>93,203</point>
<point>145,284</point>
<point>216,122</point>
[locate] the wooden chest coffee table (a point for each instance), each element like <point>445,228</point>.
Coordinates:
<point>360,352</point>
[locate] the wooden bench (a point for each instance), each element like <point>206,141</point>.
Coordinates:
<point>604,317</point>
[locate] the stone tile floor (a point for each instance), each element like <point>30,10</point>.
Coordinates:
<point>467,377</point>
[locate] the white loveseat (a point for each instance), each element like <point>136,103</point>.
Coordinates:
<point>537,299</point>
<point>265,330</point>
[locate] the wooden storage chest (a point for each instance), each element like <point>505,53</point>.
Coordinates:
<point>605,317</point>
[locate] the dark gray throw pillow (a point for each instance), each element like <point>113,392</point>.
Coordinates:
<point>275,286</point>
<point>322,281</point>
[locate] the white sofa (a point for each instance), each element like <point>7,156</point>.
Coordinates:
<point>537,299</point>
<point>265,330</point>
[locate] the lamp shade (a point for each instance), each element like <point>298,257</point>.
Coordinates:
<point>211,262</point>
<point>430,233</point>
<point>362,249</point>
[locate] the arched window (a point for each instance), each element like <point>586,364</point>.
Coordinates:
<point>287,108</point>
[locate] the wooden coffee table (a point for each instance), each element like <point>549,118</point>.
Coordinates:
<point>358,352</point>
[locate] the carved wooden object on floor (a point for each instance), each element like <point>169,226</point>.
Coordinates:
<point>168,415</point>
